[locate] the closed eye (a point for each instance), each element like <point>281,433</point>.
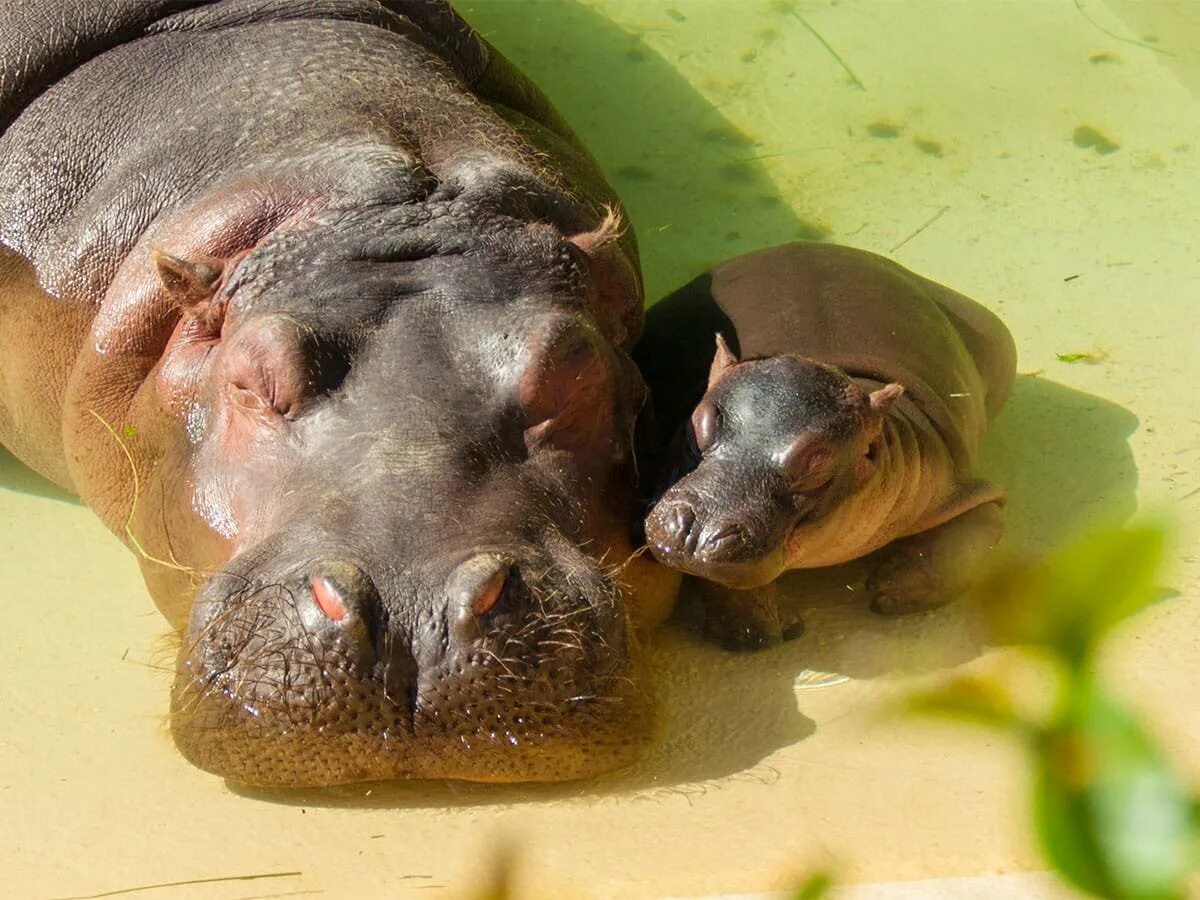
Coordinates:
<point>811,488</point>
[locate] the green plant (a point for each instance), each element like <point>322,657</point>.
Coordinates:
<point>1111,816</point>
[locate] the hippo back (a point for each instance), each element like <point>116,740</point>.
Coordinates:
<point>41,41</point>
<point>842,306</point>
<point>876,320</point>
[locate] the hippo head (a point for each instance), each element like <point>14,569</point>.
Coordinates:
<point>412,447</point>
<point>774,444</point>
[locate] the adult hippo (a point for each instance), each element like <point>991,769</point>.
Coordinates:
<point>323,310</point>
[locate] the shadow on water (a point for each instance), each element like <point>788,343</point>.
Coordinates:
<point>687,176</point>
<point>676,162</point>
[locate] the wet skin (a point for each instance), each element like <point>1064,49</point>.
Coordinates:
<point>852,422</point>
<point>354,306</point>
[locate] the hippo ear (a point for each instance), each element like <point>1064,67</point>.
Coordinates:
<point>723,359</point>
<point>190,282</point>
<point>878,402</point>
<point>881,400</point>
<point>615,287</point>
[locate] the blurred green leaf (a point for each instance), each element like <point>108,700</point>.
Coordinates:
<point>815,887</point>
<point>1111,816</point>
<point>1073,597</point>
<point>977,700</point>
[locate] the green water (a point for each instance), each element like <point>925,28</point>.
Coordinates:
<point>1042,157</point>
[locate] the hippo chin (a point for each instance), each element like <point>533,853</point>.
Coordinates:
<point>334,334</point>
<point>853,422</point>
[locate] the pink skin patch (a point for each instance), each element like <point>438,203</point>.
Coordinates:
<point>489,593</point>
<point>328,598</point>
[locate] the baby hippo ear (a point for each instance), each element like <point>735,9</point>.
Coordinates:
<point>881,400</point>
<point>723,359</point>
<point>192,283</point>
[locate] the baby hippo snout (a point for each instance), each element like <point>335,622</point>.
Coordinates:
<point>677,529</point>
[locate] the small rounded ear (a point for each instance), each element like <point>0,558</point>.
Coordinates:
<point>192,283</point>
<point>881,400</point>
<point>723,359</point>
<point>187,280</point>
<point>615,289</point>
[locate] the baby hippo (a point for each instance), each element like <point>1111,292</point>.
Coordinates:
<point>842,413</point>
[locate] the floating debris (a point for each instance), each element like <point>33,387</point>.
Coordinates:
<point>1092,358</point>
<point>1086,137</point>
<point>937,215</point>
<point>929,147</point>
<point>787,7</point>
<point>883,128</point>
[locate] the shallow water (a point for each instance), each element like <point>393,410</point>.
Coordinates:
<point>1043,157</point>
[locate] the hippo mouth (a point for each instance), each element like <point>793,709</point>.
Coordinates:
<point>272,690</point>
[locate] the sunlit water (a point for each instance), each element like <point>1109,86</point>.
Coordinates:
<point>1041,157</point>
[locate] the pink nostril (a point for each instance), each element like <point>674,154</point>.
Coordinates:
<point>328,598</point>
<point>487,595</point>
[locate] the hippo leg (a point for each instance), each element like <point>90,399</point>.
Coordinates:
<point>934,567</point>
<point>746,620</point>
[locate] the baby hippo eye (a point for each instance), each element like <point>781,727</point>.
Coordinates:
<point>809,465</point>
<point>703,426</point>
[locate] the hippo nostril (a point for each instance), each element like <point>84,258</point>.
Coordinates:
<point>489,592</point>
<point>473,590</point>
<point>690,532</point>
<point>340,597</point>
<point>717,542</point>
<point>671,526</point>
<point>329,599</point>
<point>682,519</point>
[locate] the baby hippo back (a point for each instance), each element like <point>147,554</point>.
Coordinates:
<point>873,319</point>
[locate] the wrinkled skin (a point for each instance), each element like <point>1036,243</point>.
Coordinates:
<point>853,425</point>
<point>334,335</point>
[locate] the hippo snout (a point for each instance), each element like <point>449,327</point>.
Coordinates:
<point>678,528</point>
<point>490,664</point>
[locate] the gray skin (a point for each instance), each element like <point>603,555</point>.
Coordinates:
<point>323,310</point>
<point>852,423</point>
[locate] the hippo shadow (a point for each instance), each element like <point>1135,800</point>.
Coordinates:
<point>1064,457</point>
<point>16,476</point>
<point>691,181</point>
